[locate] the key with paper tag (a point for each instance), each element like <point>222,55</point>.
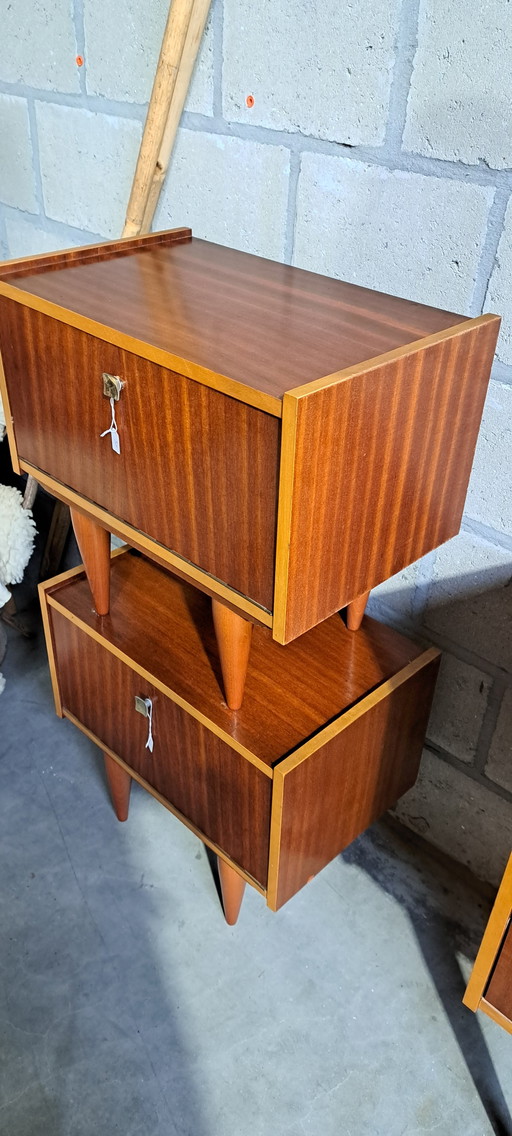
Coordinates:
<point>113,431</point>
<point>144,706</point>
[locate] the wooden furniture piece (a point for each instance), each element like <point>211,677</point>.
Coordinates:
<point>283,441</point>
<point>490,985</point>
<point>329,737</point>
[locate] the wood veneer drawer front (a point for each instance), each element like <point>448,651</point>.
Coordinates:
<point>197,470</point>
<point>212,785</point>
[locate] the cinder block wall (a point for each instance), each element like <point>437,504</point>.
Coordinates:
<point>379,150</point>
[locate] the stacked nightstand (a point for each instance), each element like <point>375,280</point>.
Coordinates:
<point>281,442</point>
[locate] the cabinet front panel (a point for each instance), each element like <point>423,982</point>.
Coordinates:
<point>214,787</point>
<point>197,471</point>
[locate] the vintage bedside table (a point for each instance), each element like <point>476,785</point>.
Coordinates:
<point>282,440</point>
<point>329,736</point>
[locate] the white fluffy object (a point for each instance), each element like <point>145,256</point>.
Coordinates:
<point>2,423</point>
<point>17,530</point>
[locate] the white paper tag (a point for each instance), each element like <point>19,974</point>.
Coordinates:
<point>149,708</point>
<point>112,430</point>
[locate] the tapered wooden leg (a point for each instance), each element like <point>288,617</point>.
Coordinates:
<point>234,643</point>
<point>94,545</point>
<point>232,887</point>
<point>355,611</point>
<point>119,783</point>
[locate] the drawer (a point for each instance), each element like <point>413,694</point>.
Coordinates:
<point>197,470</point>
<point>214,787</point>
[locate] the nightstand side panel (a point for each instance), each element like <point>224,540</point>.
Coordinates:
<point>378,471</point>
<point>341,788</point>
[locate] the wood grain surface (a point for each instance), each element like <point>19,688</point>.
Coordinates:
<point>342,788</point>
<point>197,470</point>
<point>165,627</point>
<point>88,254</point>
<point>220,792</point>
<point>491,942</point>
<point>376,472</point>
<point>163,801</point>
<point>265,325</point>
<point>499,990</point>
<point>157,552</point>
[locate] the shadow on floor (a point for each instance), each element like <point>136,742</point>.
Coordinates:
<point>438,937</point>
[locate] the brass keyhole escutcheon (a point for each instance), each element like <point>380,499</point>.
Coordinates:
<point>112,386</point>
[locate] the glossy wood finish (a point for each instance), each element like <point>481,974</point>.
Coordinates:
<point>329,735</point>
<point>499,990</point>
<point>197,471</point>
<point>356,610</point>
<point>232,887</point>
<point>377,472</point>
<point>222,794</point>
<point>163,801</point>
<point>234,636</point>
<point>369,405</point>
<point>119,783</point>
<point>265,326</point>
<point>94,547</point>
<point>330,797</point>
<point>482,993</point>
<point>143,544</point>
<point>165,627</point>
<point>83,254</point>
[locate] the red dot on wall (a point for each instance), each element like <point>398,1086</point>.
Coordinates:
<point>249,101</point>
<point>79,60</point>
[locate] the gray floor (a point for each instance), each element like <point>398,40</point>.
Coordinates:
<point>128,1006</point>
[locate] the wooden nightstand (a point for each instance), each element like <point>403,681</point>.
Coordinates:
<point>286,441</point>
<point>330,734</point>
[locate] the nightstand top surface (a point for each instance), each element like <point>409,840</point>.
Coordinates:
<point>268,326</point>
<point>165,627</point>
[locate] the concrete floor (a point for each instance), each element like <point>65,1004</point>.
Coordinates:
<point>128,1006</point>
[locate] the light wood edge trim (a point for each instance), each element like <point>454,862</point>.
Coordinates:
<point>50,649</point>
<point>491,942</point>
<point>49,259</point>
<point>261,401</point>
<point>392,356</point>
<point>143,543</point>
<point>165,690</point>
<point>287,764</point>
<point>9,424</point>
<point>274,855</point>
<point>163,801</point>
<point>78,570</point>
<point>284,515</point>
<point>496,1015</point>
